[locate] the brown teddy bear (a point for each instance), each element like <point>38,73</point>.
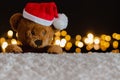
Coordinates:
<point>36,28</point>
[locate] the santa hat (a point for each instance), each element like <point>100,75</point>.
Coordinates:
<point>45,14</point>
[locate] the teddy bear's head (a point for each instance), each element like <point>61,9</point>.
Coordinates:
<point>33,28</point>
<point>31,33</point>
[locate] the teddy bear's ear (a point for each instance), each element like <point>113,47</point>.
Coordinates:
<point>14,20</point>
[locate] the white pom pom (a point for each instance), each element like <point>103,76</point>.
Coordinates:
<point>61,22</point>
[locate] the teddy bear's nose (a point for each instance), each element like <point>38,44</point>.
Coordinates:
<point>38,42</point>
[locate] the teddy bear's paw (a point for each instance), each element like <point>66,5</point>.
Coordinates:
<point>14,49</point>
<point>54,49</point>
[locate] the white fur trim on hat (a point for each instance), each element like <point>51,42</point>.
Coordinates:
<point>61,22</point>
<point>36,19</point>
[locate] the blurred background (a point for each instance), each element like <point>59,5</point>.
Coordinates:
<point>92,26</point>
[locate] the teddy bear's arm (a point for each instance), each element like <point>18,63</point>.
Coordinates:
<point>55,49</point>
<point>14,48</point>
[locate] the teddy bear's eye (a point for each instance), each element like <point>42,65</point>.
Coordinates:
<point>43,32</point>
<point>32,32</point>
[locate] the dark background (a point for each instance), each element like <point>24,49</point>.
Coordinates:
<point>96,16</point>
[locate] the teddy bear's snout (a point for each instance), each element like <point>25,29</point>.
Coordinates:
<point>38,42</point>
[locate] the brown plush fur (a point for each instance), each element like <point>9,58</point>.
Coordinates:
<point>34,37</point>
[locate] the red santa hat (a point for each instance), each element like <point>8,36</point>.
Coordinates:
<point>45,14</point>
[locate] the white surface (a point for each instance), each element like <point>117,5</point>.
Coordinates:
<point>96,66</point>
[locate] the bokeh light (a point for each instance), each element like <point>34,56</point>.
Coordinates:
<point>115,44</point>
<point>78,37</point>
<point>90,35</point>
<point>10,34</point>
<point>63,42</point>
<point>77,50</point>
<point>79,43</point>
<point>68,37</point>
<point>63,33</point>
<point>107,38</point>
<point>57,33</point>
<point>96,40</point>
<point>13,41</point>
<point>68,46</point>
<point>57,42</point>
<point>4,45</point>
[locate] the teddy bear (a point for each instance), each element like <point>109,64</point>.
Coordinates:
<point>36,27</point>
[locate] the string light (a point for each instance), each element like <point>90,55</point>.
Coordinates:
<point>68,37</point>
<point>57,42</point>
<point>103,36</point>
<point>2,39</point>
<point>63,42</point>
<point>10,34</point>
<point>96,40</point>
<point>80,44</point>
<point>107,38</point>
<point>17,35</point>
<point>61,38</point>
<point>57,33</point>
<point>96,47</point>
<point>115,44</point>
<point>90,35</point>
<point>13,41</point>
<point>4,45</point>
<point>68,46</point>
<point>63,33</point>
<point>114,35</point>
<point>78,37</point>
<point>77,50</point>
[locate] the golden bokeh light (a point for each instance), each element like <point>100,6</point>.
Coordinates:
<point>116,51</point>
<point>10,34</point>
<point>118,37</point>
<point>114,35</point>
<point>90,35</point>
<point>56,38</point>
<point>78,37</point>
<point>115,44</point>
<point>17,35</point>
<point>96,47</point>
<point>63,33</point>
<point>13,41</point>
<point>57,42</point>
<point>76,43</point>
<point>103,48</point>
<point>88,40</point>
<point>4,45</point>
<point>80,44</point>
<point>68,37</point>
<point>63,42</point>
<point>105,44</point>
<point>68,46</point>
<point>103,36</point>
<point>57,33</point>
<point>2,39</point>
<point>108,38</point>
<point>89,47</point>
<point>77,50</point>
<point>96,40</point>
